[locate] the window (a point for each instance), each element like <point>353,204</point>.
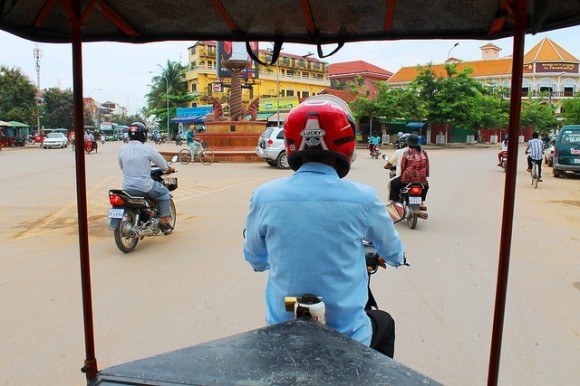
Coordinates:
<point>568,91</point>
<point>289,93</point>
<point>305,75</point>
<point>193,64</point>
<point>525,91</point>
<point>305,94</point>
<point>193,86</point>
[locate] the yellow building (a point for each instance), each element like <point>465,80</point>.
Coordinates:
<point>293,78</point>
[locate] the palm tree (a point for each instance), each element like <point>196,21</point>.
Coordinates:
<point>168,87</point>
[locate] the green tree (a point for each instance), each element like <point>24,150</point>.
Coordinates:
<point>538,115</point>
<point>571,110</point>
<point>58,108</point>
<point>168,85</point>
<point>125,120</point>
<point>17,97</point>
<point>493,112</point>
<point>362,107</point>
<point>451,97</point>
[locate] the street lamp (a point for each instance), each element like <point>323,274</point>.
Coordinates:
<point>449,53</point>
<point>164,75</point>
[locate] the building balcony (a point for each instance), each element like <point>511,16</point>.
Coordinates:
<point>194,71</point>
<point>267,75</point>
<point>555,94</point>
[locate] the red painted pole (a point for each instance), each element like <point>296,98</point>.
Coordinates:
<point>90,364</point>
<point>509,191</point>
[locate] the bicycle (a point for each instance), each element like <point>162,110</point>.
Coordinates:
<point>205,156</point>
<point>535,173</point>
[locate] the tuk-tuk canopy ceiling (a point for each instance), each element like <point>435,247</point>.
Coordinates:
<point>295,21</point>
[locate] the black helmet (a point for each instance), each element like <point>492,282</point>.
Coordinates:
<point>403,140</point>
<point>138,132</point>
<point>413,140</point>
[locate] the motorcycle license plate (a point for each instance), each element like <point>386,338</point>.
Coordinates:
<point>116,213</point>
<point>415,201</point>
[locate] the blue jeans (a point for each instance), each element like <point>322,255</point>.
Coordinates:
<point>195,148</point>
<point>160,194</point>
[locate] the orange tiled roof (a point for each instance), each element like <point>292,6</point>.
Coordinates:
<point>545,51</point>
<point>345,95</point>
<point>481,68</point>
<point>548,51</point>
<point>358,66</point>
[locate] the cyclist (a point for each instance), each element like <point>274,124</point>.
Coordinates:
<point>535,149</point>
<point>192,143</point>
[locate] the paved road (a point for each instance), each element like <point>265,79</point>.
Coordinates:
<point>194,285</point>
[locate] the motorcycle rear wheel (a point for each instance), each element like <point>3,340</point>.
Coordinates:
<point>123,240</point>
<point>411,219</point>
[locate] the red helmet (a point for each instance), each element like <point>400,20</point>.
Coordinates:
<point>322,125</point>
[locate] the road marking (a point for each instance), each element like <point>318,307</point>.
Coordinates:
<point>39,229</point>
<point>208,191</point>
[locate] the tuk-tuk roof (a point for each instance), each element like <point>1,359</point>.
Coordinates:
<point>320,22</point>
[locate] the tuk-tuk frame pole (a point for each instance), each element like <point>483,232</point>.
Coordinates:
<point>519,16</point>
<point>74,15</point>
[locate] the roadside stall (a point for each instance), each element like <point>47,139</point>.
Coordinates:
<point>3,129</point>
<point>17,134</point>
<point>316,23</point>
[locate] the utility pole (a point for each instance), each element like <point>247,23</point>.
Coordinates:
<point>37,53</point>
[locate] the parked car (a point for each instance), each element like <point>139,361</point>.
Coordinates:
<point>567,151</point>
<point>549,153</point>
<point>55,140</point>
<point>271,147</point>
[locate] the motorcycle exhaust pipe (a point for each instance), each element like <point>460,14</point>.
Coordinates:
<point>142,232</point>
<point>423,215</point>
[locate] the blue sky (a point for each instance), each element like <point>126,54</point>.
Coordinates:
<point>122,72</point>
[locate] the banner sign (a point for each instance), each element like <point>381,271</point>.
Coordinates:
<point>193,111</point>
<point>271,104</point>
<point>557,67</point>
<point>236,50</point>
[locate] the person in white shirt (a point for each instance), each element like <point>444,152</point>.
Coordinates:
<point>135,160</point>
<point>395,160</point>
<point>504,147</point>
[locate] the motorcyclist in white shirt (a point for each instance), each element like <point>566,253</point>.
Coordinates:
<point>395,160</point>
<point>135,160</point>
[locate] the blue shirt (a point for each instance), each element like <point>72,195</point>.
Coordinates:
<point>189,137</point>
<point>307,229</point>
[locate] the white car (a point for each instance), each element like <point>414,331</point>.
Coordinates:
<point>55,140</point>
<point>271,147</point>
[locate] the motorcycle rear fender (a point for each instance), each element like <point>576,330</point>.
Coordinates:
<point>114,223</point>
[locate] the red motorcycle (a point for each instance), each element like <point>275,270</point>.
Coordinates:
<point>504,157</point>
<point>90,145</point>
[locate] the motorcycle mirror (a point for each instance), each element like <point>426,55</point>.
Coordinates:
<point>174,158</point>
<point>385,157</point>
